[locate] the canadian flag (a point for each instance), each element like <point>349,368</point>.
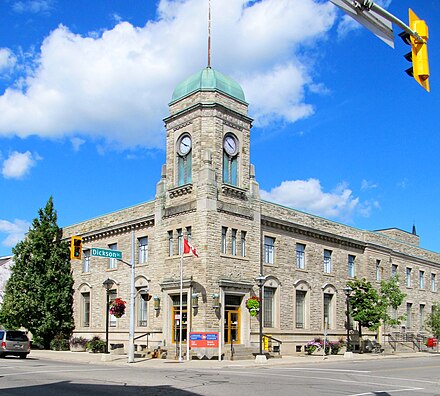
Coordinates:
<point>188,248</point>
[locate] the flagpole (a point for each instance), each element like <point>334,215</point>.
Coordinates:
<point>181,306</point>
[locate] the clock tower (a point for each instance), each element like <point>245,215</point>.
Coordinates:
<point>208,193</point>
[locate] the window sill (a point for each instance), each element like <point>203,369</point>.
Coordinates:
<point>230,256</point>
<point>302,270</point>
<point>111,269</point>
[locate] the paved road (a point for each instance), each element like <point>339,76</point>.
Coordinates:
<point>395,377</point>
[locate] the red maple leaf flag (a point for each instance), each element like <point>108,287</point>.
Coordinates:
<point>188,248</point>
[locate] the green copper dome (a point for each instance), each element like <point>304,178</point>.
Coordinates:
<point>208,80</point>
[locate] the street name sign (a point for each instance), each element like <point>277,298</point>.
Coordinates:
<point>107,253</point>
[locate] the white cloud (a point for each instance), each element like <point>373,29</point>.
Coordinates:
<point>115,85</point>
<point>368,185</point>
<point>7,60</point>
<point>15,231</point>
<point>17,165</point>
<point>32,6</point>
<point>77,143</point>
<point>308,196</point>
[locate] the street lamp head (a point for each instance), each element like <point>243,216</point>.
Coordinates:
<point>108,283</point>
<point>347,290</point>
<point>260,279</point>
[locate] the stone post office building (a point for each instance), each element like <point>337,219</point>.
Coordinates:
<point>208,193</point>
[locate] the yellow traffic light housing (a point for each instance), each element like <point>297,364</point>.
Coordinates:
<point>76,248</point>
<point>419,50</point>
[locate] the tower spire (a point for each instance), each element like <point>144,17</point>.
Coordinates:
<point>209,33</point>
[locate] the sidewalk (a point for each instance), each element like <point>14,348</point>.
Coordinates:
<point>122,360</point>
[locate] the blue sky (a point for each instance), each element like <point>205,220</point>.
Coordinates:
<point>340,130</point>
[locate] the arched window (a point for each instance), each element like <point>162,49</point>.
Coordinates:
<point>230,159</point>
<point>184,160</point>
<point>302,304</point>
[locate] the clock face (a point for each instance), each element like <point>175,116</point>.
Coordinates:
<point>230,145</point>
<point>185,145</point>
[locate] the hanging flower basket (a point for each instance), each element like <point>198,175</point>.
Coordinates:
<point>117,307</point>
<point>253,305</point>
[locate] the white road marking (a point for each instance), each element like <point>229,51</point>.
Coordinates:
<point>386,391</point>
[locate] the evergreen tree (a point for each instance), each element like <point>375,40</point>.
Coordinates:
<point>39,293</point>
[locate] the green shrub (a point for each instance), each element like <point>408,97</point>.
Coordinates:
<point>96,345</point>
<point>59,344</point>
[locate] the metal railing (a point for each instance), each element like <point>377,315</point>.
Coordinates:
<point>275,348</point>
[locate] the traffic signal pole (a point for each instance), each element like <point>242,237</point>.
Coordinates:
<point>369,5</point>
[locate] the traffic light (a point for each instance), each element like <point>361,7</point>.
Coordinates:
<point>76,248</point>
<point>419,50</point>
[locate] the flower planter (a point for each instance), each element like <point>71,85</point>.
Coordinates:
<point>77,348</point>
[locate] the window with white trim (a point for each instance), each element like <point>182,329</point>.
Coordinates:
<point>433,285</point>
<point>351,270</point>
<point>86,261</point>
<point>408,276</point>
<point>269,250</point>
<point>300,256</point>
<point>85,309</point>
<point>378,271</point>
<point>224,235</point>
<point>243,244</point>
<point>233,242</point>
<point>112,263</point>
<point>421,279</point>
<point>143,250</point>
<point>300,309</point>
<point>269,306</point>
<point>327,261</point>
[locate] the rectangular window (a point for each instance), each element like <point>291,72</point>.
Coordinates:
<point>422,316</point>
<point>327,261</point>
<point>179,241</point>
<point>433,286</point>
<point>300,314</point>
<point>85,309</point>
<point>408,277</point>
<point>112,318</point>
<point>351,271</point>
<point>170,244</point>
<point>224,233</point>
<point>243,244</point>
<point>328,311</point>
<point>408,315</point>
<point>86,260</point>
<point>188,234</point>
<point>141,311</point>
<point>269,246</point>
<point>378,271</point>
<point>234,242</point>
<point>393,269</point>
<point>268,305</point>
<point>421,279</point>
<point>143,250</point>
<point>300,256</point>
<point>112,263</point>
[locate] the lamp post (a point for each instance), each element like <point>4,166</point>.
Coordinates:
<point>108,284</point>
<point>260,279</point>
<point>347,291</point>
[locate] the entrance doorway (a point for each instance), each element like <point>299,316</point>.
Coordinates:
<point>231,328</point>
